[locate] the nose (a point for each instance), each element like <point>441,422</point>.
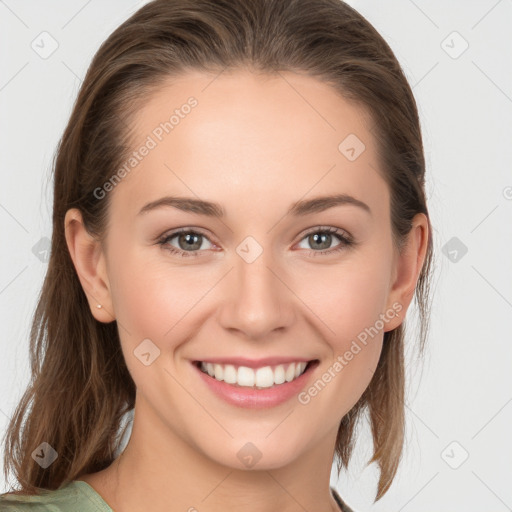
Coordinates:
<point>258,300</point>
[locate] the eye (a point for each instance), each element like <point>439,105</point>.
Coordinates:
<point>189,242</point>
<point>321,238</point>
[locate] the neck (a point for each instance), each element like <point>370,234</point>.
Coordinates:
<point>159,469</point>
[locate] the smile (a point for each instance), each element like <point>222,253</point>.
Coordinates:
<point>260,378</point>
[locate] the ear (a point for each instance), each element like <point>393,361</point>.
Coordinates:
<point>89,261</point>
<point>408,264</point>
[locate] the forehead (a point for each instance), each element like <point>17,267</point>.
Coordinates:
<point>239,136</point>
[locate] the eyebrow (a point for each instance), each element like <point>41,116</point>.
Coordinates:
<point>299,208</point>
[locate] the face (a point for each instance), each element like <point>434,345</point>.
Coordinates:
<point>277,278</point>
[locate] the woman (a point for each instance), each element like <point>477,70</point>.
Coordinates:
<point>212,147</point>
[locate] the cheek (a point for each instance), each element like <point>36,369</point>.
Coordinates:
<point>351,307</point>
<point>151,302</point>
<point>150,298</point>
<point>349,297</point>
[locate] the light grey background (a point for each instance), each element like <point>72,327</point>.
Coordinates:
<point>460,405</point>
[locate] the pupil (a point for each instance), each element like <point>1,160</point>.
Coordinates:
<point>189,238</point>
<point>316,236</point>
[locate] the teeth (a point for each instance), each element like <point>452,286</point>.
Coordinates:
<point>219,372</point>
<point>230,374</point>
<point>264,377</point>
<point>245,377</point>
<point>290,373</point>
<point>279,375</point>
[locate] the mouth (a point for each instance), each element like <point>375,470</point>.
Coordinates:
<point>263,377</point>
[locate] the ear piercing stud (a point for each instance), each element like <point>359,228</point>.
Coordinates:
<point>99,306</point>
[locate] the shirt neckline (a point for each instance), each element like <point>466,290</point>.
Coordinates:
<point>91,493</point>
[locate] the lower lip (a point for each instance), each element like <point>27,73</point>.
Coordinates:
<point>253,398</point>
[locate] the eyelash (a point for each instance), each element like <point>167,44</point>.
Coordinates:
<point>346,241</point>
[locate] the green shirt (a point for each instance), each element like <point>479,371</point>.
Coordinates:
<point>73,497</point>
<point>76,496</point>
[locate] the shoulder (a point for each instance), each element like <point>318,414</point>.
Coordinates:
<point>75,495</point>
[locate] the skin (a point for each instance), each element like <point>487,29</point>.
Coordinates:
<point>255,144</point>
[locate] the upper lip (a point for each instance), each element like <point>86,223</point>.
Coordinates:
<point>254,363</point>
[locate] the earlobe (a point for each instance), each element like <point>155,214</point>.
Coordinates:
<point>409,263</point>
<point>89,261</point>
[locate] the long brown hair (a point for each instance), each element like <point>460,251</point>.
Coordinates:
<point>80,387</point>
